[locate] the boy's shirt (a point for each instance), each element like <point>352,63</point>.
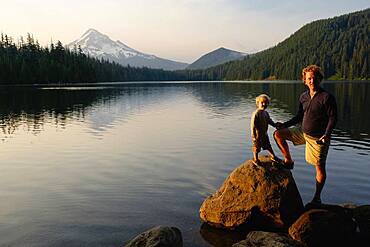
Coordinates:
<point>259,124</point>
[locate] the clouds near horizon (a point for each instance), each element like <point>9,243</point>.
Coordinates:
<point>181,30</point>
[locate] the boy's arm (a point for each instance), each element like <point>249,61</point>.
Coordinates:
<point>254,125</point>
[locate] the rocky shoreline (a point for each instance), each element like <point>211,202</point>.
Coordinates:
<point>263,202</point>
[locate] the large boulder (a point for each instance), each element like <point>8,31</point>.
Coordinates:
<point>267,239</point>
<point>256,195</point>
<point>362,217</point>
<point>160,236</point>
<point>324,227</point>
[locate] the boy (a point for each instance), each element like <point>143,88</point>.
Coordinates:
<point>259,125</point>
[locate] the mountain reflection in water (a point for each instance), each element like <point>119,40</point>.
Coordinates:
<point>33,107</point>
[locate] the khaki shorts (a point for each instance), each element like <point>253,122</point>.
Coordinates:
<point>315,153</point>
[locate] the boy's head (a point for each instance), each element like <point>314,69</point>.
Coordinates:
<point>262,101</point>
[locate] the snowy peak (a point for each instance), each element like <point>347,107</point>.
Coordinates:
<point>99,45</point>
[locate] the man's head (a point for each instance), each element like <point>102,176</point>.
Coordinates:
<point>262,101</point>
<point>312,76</point>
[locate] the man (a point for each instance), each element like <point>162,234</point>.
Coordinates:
<point>318,115</point>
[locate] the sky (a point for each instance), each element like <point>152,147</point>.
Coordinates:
<point>180,30</point>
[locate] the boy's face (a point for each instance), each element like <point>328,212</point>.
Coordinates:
<point>262,104</point>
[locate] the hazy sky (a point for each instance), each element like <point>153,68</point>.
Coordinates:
<point>180,30</point>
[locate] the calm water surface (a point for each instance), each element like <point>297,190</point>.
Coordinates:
<point>95,166</point>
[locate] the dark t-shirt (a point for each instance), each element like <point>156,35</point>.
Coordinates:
<point>318,115</point>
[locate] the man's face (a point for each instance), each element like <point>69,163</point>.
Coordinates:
<point>311,81</point>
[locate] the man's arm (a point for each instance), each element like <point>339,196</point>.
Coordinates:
<point>331,111</point>
<point>297,118</point>
<point>269,120</point>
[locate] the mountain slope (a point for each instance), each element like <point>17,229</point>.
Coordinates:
<point>99,46</point>
<point>219,56</point>
<point>340,45</point>
<point>29,63</point>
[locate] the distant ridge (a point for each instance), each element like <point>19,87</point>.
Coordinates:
<point>340,45</point>
<point>216,57</point>
<point>99,45</point>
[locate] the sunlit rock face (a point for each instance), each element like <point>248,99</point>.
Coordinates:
<point>259,196</point>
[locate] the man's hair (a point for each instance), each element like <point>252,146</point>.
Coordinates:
<point>316,71</point>
<point>263,96</point>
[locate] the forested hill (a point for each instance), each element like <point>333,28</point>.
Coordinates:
<point>340,45</point>
<point>26,62</point>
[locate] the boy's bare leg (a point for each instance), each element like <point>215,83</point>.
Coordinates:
<point>255,155</point>
<point>280,137</point>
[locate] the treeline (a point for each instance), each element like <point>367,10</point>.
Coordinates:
<point>339,45</point>
<point>27,62</point>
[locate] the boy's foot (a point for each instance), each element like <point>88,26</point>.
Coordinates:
<point>288,164</point>
<point>256,162</point>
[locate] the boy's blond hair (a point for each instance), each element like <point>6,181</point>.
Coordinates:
<point>261,97</point>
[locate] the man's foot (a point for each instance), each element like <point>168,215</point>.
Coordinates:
<point>288,164</point>
<point>276,160</point>
<point>316,200</point>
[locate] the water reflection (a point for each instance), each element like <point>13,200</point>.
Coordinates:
<point>34,107</point>
<point>99,106</point>
<point>353,127</point>
<point>133,156</point>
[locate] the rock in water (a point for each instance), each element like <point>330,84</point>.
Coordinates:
<point>362,216</point>
<point>322,227</point>
<point>160,236</point>
<point>261,239</point>
<point>260,196</point>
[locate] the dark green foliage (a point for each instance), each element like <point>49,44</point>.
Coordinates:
<point>339,45</point>
<point>26,62</point>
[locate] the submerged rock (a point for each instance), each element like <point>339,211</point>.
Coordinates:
<point>160,236</point>
<point>324,227</point>
<point>267,239</point>
<point>261,196</point>
<point>362,217</point>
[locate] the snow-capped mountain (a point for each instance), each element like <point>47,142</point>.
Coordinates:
<point>100,45</point>
<point>218,56</point>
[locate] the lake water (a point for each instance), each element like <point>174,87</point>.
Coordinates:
<point>97,165</point>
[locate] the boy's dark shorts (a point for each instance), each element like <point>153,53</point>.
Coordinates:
<point>261,143</point>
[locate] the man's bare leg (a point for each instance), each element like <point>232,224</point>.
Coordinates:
<point>320,182</point>
<point>279,136</point>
